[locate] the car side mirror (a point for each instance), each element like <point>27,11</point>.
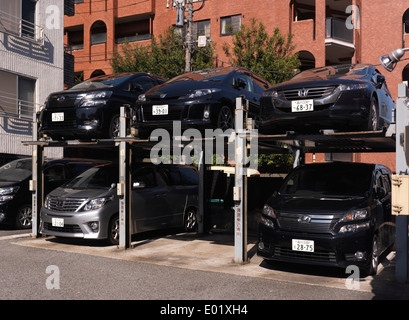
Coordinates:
<point>138,185</point>
<point>380,192</point>
<point>380,81</point>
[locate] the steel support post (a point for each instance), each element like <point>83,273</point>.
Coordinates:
<point>124,186</point>
<point>240,185</point>
<point>402,120</point>
<point>200,216</point>
<point>36,183</point>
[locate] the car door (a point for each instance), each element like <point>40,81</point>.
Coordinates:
<point>247,89</point>
<point>383,207</point>
<point>148,200</point>
<point>386,104</point>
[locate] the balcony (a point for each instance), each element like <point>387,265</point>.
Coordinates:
<point>23,29</point>
<point>339,41</point>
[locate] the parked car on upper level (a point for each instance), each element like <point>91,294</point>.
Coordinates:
<point>334,214</point>
<point>91,108</point>
<point>15,196</point>
<point>351,97</point>
<point>87,207</point>
<point>199,99</point>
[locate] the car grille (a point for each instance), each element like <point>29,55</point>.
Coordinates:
<point>68,228</point>
<point>325,256</point>
<point>64,205</point>
<point>308,223</point>
<point>310,93</point>
<point>59,124</point>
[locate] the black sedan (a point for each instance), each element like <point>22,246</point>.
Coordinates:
<point>199,99</point>
<point>341,98</point>
<point>91,108</point>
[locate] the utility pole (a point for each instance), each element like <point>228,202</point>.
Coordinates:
<point>188,56</point>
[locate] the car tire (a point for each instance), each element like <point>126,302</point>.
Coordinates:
<point>190,221</point>
<point>24,217</point>
<point>114,127</point>
<point>372,268</point>
<point>113,230</point>
<point>373,117</point>
<point>225,118</point>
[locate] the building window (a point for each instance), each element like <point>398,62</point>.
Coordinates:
<point>78,1</point>
<point>75,38</point>
<point>230,25</point>
<point>405,21</point>
<point>201,28</point>
<point>98,33</point>
<point>131,31</point>
<point>17,95</point>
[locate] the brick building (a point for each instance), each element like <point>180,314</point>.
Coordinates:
<point>326,32</point>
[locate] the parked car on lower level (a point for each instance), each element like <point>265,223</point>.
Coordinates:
<point>91,108</point>
<point>335,214</point>
<point>15,196</point>
<point>351,97</point>
<point>88,206</point>
<point>199,99</point>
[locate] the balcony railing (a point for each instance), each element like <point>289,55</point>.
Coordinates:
<point>337,29</point>
<point>16,26</point>
<point>12,106</point>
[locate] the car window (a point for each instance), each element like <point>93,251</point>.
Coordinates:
<point>146,176</point>
<point>55,173</point>
<point>146,83</point>
<point>16,170</point>
<point>189,176</point>
<point>77,168</point>
<point>100,177</point>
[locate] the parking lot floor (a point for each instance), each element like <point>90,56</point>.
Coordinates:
<point>214,252</point>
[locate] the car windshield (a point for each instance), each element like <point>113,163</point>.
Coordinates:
<point>101,177</point>
<point>101,82</point>
<point>16,170</point>
<point>335,181</point>
<point>204,75</point>
<point>338,71</point>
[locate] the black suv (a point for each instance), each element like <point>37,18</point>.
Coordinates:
<point>15,196</point>
<point>91,108</point>
<point>335,214</point>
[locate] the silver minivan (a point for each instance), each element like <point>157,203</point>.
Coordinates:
<point>88,206</point>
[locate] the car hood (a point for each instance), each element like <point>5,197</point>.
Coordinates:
<point>179,88</point>
<point>319,81</point>
<point>63,192</point>
<point>322,205</point>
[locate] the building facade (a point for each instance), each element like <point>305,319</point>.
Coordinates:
<point>31,67</point>
<point>326,32</point>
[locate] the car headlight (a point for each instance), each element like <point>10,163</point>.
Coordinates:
<point>97,203</point>
<point>268,211</point>
<point>200,93</point>
<point>270,93</point>
<point>353,215</point>
<point>355,86</point>
<point>356,216</point>
<point>8,193</point>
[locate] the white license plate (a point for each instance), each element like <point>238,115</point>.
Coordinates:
<point>303,245</point>
<point>302,105</point>
<point>160,110</point>
<point>57,222</point>
<point>57,116</point>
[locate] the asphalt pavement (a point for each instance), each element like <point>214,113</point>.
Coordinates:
<point>170,266</point>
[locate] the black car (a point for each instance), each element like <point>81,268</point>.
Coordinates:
<point>15,196</point>
<point>342,97</point>
<point>91,108</point>
<point>200,99</point>
<point>335,214</point>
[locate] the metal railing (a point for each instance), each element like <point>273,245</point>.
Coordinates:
<point>21,28</point>
<point>12,106</point>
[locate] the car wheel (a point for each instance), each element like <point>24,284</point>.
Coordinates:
<point>24,217</point>
<point>225,119</point>
<point>373,120</point>
<point>114,127</point>
<point>372,269</point>
<point>190,220</point>
<point>113,230</point>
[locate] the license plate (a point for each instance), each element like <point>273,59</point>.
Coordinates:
<point>160,110</point>
<point>57,116</point>
<point>57,222</point>
<point>303,245</point>
<point>302,105</point>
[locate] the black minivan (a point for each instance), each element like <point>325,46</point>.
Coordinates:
<point>15,196</point>
<point>335,214</point>
<point>91,108</point>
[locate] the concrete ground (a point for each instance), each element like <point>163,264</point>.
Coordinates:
<point>215,253</point>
